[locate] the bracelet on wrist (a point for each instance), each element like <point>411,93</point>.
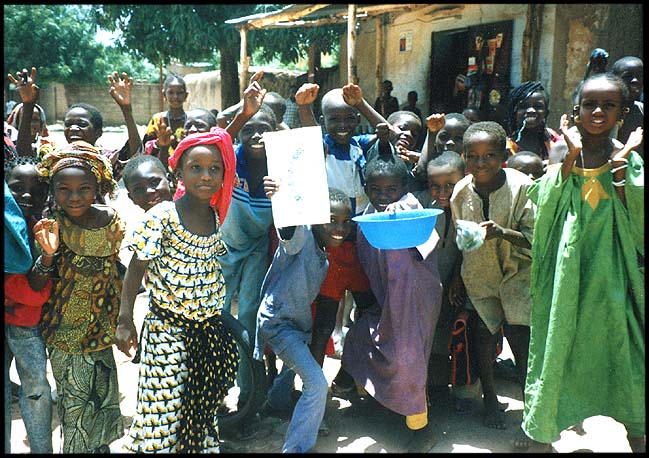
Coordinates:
<point>619,159</point>
<point>41,269</point>
<point>48,255</point>
<point>619,183</point>
<point>621,167</point>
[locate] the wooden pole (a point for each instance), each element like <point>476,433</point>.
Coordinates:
<point>311,74</point>
<point>161,93</point>
<point>526,45</point>
<point>379,54</point>
<point>352,76</point>
<point>245,61</point>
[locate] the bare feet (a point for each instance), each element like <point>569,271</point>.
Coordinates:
<point>521,442</point>
<point>578,428</point>
<point>638,444</point>
<point>494,418</point>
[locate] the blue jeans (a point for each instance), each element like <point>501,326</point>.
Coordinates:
<point>245,276</point>
<point>35,400</point>
<point>309,411</point>
<point>279,394</point>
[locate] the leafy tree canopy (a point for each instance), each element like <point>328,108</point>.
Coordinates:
<point>291,44</point>
<point>59,40</point>
<point>189,33</point>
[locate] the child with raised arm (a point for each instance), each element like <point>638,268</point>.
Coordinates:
<point>28,118</point>
<point>84,122</point>
<point>496,275</point>
<point>172,121</point>
<point>387,348</point>
<point>587,346</point>
<point>284,318</point>
<point>345,153</point>
<point>246,232</point>
<point>23,304</point>
<point>444,133</point>
<point>187,357</point>
<point>80,246</point>
<point>403,130</point>
<point>345,158</point>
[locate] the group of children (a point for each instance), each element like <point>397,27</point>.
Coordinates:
<point>563,246</point>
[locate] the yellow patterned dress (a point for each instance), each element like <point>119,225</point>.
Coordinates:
<point>78,325</point>
<point>185,278</point>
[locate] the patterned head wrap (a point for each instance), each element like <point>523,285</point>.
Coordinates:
<point>222,140</point>
<point>82,155</point>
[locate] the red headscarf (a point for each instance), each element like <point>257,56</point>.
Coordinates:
<point>221,138</point>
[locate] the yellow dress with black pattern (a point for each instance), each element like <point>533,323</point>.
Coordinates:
<point>184,276</point>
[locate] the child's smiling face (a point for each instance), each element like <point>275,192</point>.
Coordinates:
<point>483,156</point>
<point>148,186</point>
<point>382,189</point>
<point>450,137</point>
<point>335,232</point>
<point>251,135</point>
<point>600,106</point>
<point>441,182</point>
<point>27,190</point>
<point>340,120</point>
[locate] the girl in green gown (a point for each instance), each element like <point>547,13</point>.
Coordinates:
<point>587,349</point>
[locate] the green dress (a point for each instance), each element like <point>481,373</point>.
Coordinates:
<point>587,350</point>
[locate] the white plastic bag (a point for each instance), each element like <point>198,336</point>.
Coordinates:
<point>469,235</point>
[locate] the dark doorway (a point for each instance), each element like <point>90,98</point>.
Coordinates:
<point>481,57</point>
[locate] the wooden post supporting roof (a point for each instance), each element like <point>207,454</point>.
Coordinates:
<point>352,76</point>
<point>379,53</point>
<point>245,61</point>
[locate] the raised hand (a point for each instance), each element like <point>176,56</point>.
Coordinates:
<point>435,122</point>
<point>256,77</point>
<point>46,233</point>
<point>408,156</point>
<point>573,140</point>
<point>164,135</point>
<point>306,94</point>
<point>383,132</point>
<point>120,89</point>
<point>352,94</point>
<point>635,140</point>
<point>26,85</point>
<point>253,96</point>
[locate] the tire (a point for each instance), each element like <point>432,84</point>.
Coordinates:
<point>236,413</point>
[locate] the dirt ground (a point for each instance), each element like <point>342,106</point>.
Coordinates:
<point>364,427</point>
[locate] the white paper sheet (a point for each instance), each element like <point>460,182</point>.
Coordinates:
<point>296,159</point>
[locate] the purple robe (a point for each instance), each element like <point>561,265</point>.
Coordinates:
<point>387,348</point>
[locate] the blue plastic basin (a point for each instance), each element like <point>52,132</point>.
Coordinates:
<point>403,229</point>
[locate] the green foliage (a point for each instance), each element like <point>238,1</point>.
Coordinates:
<point>292,44</point>
<point>189,33</point>
<point>56,39</point>
<point>115,59</point>
<point>59,40</point>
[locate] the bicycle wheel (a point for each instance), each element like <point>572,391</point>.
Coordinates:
<point>234,410</point>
